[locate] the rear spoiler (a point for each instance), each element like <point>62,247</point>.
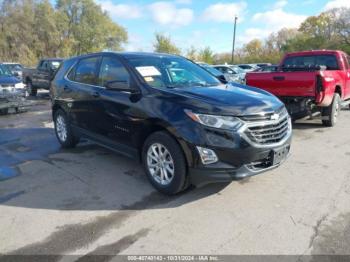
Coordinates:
<point>309,68</point>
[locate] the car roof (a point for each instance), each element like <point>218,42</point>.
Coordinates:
<point>52,59</point>
<point>10,63</point>
<point>223,65</point>
<point>315,52</point>
<point>130,54</point>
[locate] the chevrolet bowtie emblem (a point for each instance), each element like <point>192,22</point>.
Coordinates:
<point>275,117</point>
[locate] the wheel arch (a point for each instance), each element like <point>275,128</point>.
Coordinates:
<point>338,90</point>
<point>28,79</point>
<point>160,126</point>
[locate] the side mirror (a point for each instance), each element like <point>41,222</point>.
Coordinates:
<point>122,86</point>
<point>16,74</point>
<point>222,79</point>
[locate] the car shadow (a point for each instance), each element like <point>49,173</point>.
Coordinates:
<point>36,173</point>
<point>307,125</point>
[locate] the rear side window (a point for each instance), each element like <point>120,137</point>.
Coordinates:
<point>346,61</point>
<point>43,65</point>
<point>330,61</point>
<point>85,71</point>
<point>112,70</point>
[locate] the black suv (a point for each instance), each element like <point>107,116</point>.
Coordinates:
<point>182,123</point>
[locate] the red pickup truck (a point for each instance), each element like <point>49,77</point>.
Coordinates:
<point>308,82</point>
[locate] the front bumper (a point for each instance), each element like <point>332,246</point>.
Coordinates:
<point>237,159</point>
<point>223,172</point>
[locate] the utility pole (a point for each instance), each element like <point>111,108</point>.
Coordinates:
<point>234,40</point>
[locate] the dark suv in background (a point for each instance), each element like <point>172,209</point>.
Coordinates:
<point>182,123</point>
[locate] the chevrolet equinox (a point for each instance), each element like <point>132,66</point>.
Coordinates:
<point>184,125</point>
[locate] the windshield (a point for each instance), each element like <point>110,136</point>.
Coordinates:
<point>212,70</point>
<point>238,70</point>
<point>54,64</point>
<point>172,72</point>
<point>4,71</point>
<point>246,67</point>
<point>14,67</point>
<point>330,61</point>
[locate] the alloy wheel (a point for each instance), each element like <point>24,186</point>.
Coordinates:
<point>61,128</point>
<point>160,164</point>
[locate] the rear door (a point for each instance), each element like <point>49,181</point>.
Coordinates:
<point>37,74</point>
<point>45,75</point>
<point>79,91</point>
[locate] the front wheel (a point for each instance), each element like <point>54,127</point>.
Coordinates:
<point>165,164</point>
<point>64,131</point>
<point>330,114</point>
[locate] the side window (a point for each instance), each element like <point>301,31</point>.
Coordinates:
<point>346,61</point>
<point>85,72</point>
<point>42,65</point>
<point>112,70</point>
<point>71,74</point>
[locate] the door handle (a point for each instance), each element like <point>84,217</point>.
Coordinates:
<point>279,78</point>
<point>95,94</point>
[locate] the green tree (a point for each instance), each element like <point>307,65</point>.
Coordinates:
<point>192,53</point>
<point>164,44</point>
<point>32,29</point>
<point>206,55</point>
<point>88,28</point>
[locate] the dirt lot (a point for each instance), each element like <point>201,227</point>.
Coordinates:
<point>92,201</point>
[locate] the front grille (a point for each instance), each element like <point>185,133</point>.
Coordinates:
<point>7,85</point>
<point>269,132</point>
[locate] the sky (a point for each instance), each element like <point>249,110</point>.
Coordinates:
<point>202,23</point>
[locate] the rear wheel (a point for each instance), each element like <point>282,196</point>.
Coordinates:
<point>330,114</point>
<point>165,164</point>
<point>4,111</point>
<point>64,131</point>
<point>31,89</point>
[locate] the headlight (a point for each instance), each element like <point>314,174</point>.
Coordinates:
<point>221,122</point>
<point>19,86</point>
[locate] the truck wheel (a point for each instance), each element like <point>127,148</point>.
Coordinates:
<point>330,114</point>
<point>4,111</point>
<point>64,131</point>
<point>165,164</point>
<point>31,90</point>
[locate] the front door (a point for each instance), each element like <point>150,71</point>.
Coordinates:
<point>347,78</point>
<point>116,114</point>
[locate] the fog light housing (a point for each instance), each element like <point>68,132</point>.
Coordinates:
<point>207,155</point>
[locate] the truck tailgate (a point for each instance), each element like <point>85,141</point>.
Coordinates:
<point>284,83</point>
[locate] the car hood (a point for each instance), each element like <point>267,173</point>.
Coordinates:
<point>230,99</point>
<point>8,80</point>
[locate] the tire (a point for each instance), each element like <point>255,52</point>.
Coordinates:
<point>63,130</point>
<point>330,114</point>
<point>173,182</point>
<point>4,111</point>
<point>33,91</point>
